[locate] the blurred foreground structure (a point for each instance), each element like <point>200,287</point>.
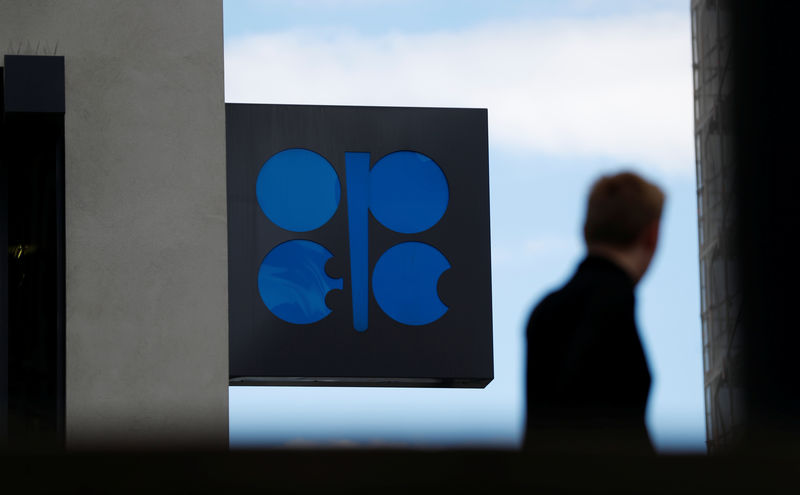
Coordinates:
<point>720,294</point>
<point>767,219</point>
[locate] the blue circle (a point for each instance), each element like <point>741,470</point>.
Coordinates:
<point>298,190</point>
<point>408,192</point>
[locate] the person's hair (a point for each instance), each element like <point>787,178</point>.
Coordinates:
<point>620,208</point>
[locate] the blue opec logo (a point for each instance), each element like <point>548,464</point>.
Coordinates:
<point>406,192</point>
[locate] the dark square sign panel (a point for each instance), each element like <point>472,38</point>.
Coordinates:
<point>358,246</point>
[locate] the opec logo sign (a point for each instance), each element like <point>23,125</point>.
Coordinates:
<point>358,246</point>
<point>406,192</point>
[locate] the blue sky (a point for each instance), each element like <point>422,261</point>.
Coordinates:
<point>573,89</point>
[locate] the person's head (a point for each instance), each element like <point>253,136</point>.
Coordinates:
<point>622,220</point>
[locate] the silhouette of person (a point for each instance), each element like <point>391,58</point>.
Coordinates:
<point>587,375</point>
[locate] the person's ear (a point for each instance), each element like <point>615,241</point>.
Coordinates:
<point>651,236</point>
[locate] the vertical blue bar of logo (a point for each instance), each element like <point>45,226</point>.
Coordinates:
<point>357,171</point>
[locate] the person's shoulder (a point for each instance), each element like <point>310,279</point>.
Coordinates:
<point>551,307</point>
<point>586,295</point>
<point>550,301</point>
<point>601,284</point>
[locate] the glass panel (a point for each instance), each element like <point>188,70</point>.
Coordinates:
<point>698,153</point>
<point>702,286</point>
<point>705,331</point>
<point>694,36</point>
<point>709,424</point>
<point>700,228</point>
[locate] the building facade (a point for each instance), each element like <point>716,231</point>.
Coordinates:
<point>144,360</point>
<point>720,294</point>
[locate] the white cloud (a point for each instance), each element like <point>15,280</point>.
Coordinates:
<point>614,87</point>
<point>533,251</point>
<point>546,245</point>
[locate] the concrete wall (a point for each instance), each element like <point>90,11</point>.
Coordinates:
<point>146,242</point>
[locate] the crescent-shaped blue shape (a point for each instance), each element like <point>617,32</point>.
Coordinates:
<point>293,284</point>
<point>405,280</point>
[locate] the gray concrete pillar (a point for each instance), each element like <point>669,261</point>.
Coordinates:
<point>146,241</point>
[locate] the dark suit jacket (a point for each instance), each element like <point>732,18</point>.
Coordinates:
<point>587,376</point>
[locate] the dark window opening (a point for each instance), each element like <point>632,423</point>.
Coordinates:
<point>32,211</point>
